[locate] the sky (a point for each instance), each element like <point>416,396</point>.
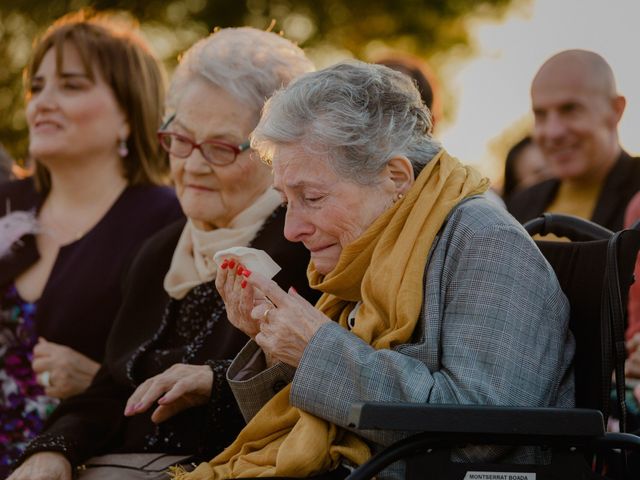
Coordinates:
<point>491,89</point>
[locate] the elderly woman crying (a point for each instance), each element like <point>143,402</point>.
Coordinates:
<point>431,294</point>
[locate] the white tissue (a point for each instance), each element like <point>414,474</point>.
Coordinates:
<point>251,258</point>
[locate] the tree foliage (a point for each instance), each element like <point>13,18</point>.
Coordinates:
<point>327,28</point>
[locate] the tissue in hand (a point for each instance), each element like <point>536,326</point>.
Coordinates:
<point>252,259</point>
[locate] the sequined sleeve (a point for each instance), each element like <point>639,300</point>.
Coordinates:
<point>48,442</point>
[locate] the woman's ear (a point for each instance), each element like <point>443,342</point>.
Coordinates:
<point>400,171</point>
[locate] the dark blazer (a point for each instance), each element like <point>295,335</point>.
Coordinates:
<point>622,182</point>
<point>83,292</point>
<point>92,422</point>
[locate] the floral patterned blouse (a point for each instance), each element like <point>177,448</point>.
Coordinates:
<point>23,404</point>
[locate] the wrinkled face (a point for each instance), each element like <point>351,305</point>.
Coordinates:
<point>575,123</point>
<point>325,211</point>
<point>531,167</point>
<point>69,115</point>
<point>213,195</point>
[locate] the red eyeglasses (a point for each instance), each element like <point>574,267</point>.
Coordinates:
<point>213,151</point>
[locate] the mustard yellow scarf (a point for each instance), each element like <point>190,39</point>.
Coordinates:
<point>384,270</point>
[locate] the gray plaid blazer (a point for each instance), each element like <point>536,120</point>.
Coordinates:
<point>493,330</point>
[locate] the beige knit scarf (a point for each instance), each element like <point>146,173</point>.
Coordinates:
<point>192,262</point>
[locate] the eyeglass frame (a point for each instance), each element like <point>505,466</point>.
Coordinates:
<point>236,149</point>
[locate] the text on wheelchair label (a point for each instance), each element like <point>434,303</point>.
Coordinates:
<point>499,476</point>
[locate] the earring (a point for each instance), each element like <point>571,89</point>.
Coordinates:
<point>399,196</point>
<point>123,150</point>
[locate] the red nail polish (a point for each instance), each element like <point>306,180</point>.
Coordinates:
<point>246,273</point>
<point>224,265</point>
<point>239,270</point>
<point>243,284</point>
<point>232,263</point>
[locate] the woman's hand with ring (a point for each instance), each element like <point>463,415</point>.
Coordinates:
<point>62,371</point>
<point>287,323</point>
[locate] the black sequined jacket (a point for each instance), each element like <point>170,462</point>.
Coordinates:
<point>153,332</point>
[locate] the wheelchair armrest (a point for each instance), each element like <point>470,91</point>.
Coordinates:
<point>574,228</point>
<point>477,419</point>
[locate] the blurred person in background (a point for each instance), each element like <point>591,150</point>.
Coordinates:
<point>72,229</point>
<point>162,387</point>
<point>577,110</point>
<point>632,365</point>
<point>525,166</point>
<point>422,74</point>
<point>419,71</point>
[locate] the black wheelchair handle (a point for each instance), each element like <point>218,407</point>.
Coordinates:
<point>574,228</point>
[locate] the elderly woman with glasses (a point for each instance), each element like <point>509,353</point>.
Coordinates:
<point>431,294</point>
<point>162,387</point>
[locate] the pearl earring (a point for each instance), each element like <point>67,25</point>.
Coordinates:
<point>123,150</point>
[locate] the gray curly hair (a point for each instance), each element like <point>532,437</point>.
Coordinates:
<point>357,114</point>
<point>248,63</point>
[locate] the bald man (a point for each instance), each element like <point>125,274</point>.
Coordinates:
<point>577,110</point>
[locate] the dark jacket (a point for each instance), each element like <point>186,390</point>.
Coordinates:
<point>145,341</point>
<point>622,182</point>
<point>83,292</point>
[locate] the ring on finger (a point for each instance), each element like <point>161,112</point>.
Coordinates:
<point>44,378</point>
<point>265,315</point>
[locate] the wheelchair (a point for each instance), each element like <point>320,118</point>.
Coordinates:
<point>595,271</point>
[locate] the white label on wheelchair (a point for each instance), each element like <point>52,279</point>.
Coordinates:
<point>500,476</point>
